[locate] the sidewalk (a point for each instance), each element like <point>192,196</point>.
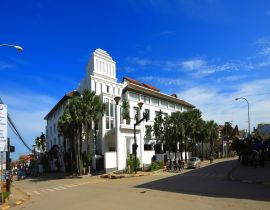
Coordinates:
<point>16,198</point>
<point>250,174</point>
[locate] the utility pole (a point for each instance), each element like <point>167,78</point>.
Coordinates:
<point>8,165</point>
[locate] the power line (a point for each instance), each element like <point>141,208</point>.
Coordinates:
<point>15,130</point>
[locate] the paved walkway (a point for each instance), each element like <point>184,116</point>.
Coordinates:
<point>251,174</point>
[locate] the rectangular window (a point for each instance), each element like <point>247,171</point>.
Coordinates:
<point>136,113</point>
<point>95,87</point>
<point>178,107</point>
<point>107,123</point>
<point>101,89</point>
<point>171,106</point>
<point>148,132</point>
<point>111,109</point>
<point>147,99</point>
<point>112,123</point>
<point>164,103</point>
<point>134,96</point>
<point>148,112</point>
<point>108,89</point>
<point>113,90</point>
<point>156,113</point>
<point>148,147</point>
<point>107,106</point>
<point>54,128</point>
<point>154,101</point>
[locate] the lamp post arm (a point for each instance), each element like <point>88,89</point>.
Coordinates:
<point>17,47</point>
<point>248,113</point>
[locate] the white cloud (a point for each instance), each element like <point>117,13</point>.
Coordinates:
<point>218,104</point>
<point>232,78</point>
<point>129,69</point>
<point>164,81</point>
<point>5,65</point>
<point>193,64</point>
<point>27,110</point>
<point>140,61</point>
<point>201,68</point>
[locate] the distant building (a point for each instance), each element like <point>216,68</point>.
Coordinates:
<point>115,135</point>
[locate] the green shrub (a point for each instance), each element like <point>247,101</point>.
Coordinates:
<point>131,163</point>
<point>156,166</point>
<point>6,195</point>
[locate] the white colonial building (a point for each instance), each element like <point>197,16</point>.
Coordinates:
<point>115,136</point>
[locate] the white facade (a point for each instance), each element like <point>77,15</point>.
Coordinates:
<point>115,137</point>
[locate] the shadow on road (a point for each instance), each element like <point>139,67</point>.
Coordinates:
<point>210,181</point>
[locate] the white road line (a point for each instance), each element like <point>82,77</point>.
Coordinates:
<point>43,190</point>
<point>36,192</point>
<point>61,187</point>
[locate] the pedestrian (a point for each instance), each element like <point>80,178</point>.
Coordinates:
<point>179,164</point>
<point>262,158</point>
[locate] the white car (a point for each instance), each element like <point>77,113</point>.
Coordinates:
<point>194,162</point>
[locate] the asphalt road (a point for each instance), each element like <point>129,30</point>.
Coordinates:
<point>201,189</point>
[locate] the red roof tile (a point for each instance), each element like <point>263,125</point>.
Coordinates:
<point>150,87</point>
<point>141,84</point>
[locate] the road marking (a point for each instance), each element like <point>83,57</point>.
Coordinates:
<point>61,187</point>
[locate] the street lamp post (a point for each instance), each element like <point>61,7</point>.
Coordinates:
<point>17,47</point>
<point>135,146</point>
<point>248,112</point>
<point>34,151</point>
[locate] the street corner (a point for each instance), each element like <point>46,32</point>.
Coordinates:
<point>14,203</point>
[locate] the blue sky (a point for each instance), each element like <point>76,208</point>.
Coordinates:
<point>207,51</point>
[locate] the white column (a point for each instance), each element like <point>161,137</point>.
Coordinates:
<point>119,143</point>
<point>103,129</point>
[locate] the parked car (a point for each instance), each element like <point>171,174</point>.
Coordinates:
<point>194,162</point>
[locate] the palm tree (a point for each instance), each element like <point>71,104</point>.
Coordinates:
<point>211,129</point>
<point>65,129</point>
<point>40,142</point>
<point>70,126</point>
<point>93,110</point>
<point>158,127</point>
<point>191,119</point>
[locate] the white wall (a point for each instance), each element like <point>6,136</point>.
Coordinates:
<point>147,157</point>
<point>110,160</point>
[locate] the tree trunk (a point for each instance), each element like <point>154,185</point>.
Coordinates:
<point>185,150</point>
<point>202,150</point>
<point>181,149</point>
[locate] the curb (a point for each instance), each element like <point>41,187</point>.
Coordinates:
<point>11,204</point>
<point>116,176</point>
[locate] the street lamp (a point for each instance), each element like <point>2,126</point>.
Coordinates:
<point>17,47</point>
<point>248,112</point>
